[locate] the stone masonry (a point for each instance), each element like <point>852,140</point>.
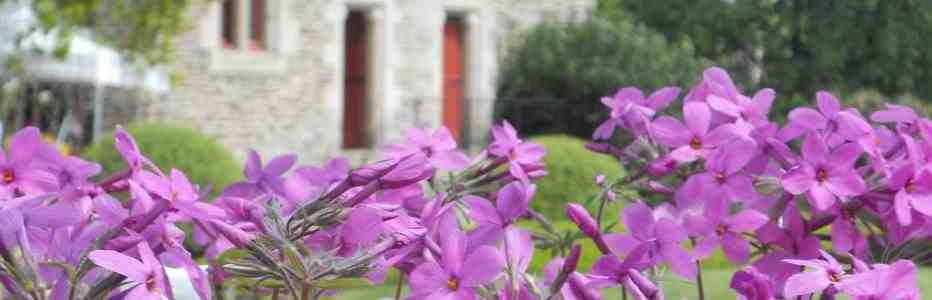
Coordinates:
<point>289,97</point>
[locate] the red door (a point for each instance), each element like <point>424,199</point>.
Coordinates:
<point>354,102</point>
<point>453,77</point>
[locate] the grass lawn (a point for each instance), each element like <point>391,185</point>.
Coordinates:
<point>716,287</point>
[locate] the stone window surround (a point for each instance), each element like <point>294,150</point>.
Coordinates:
<point>280,31</point>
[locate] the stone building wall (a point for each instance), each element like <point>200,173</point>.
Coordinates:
<point>290,97</point>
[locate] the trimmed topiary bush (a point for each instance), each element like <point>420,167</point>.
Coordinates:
<point>571,176</point>
<point>203,159</point>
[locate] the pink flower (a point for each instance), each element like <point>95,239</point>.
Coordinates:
<point>439,147</point>
<point>148,275</point>
<point>823,175</point>
<point>456,274</point>
<point>630,110</point>
<point>694,140</point>
<point>519,154</point>
<point>660,236</point>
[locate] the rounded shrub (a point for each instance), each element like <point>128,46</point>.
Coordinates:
<point>571,176</point>
<point>203,159</point>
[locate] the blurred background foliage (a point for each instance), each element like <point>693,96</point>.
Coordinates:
<point>141,29</point>
<point>555,73</point>
<point>554,76</point>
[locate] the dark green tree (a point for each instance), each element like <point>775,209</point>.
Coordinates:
<point>554,74</point>
<point>800,46</point>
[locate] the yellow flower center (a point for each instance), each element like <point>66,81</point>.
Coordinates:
<point>721,229</point>
<point>821,175</point>
<point>8,177</point>
<point>695,143</point>
<point>453,284</point>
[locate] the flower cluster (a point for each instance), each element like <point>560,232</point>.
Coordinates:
<point>725,176</point>
<point>829,203</point>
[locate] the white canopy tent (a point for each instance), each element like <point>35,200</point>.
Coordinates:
<point>87,62</point>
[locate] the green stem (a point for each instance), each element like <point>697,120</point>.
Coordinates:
<point>401,281</point>
<point>699,286</point>
<point>598,217</point>
<point>305,292</point>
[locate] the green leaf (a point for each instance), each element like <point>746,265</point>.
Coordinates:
<point>343,283</point>
<point>252,282</point>
<point>232,255</point>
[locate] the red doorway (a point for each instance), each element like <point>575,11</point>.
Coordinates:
<point>355,81</point>
<point>453,71</point>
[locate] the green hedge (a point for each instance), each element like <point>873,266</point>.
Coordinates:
<point>202,158</point>
<point>571,175</point>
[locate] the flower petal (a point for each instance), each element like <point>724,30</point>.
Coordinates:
<point>807,118</point>
<point>120,263</point>
<point>621,243</point>
<point>737,249</point>
<point>814,149</point>
<point>901,206</point>
<point>453,244</point>
<point>805,283</point>
<point>660,99</point>
<point>828,104</point>
<point>484,265</point>
<point>428,276</point>
<point>253,165</point>
<point>746,221</point>
<point>799,179</point>
<point>697,116</point>
<point>724,106</point>
<point>513,200</point>
<point>846,185</point>
<point>279,165</point>
<point>820,197</point>
<point>680,261</point>
<point>669,131</point>
<point>639,219</point>
<point>481,210</point>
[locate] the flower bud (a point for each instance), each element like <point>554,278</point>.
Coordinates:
<point>579,215</point>
<point>644,286</point>
<point>409,170</point>
<point>236,236</point>
<point>580,290</point>
<point>752,284</point>
<point>371,172</point>
<point>662,166</point>
<point>659,187</point>
<point>768,185</point>
<point>604,148</point>
<point>572,261</point>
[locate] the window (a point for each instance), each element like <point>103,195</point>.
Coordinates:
<point>243,16</point>
<point>229,17</point>
<point>453,75</point>
<point>355,112</point>
<point>257,25</point>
